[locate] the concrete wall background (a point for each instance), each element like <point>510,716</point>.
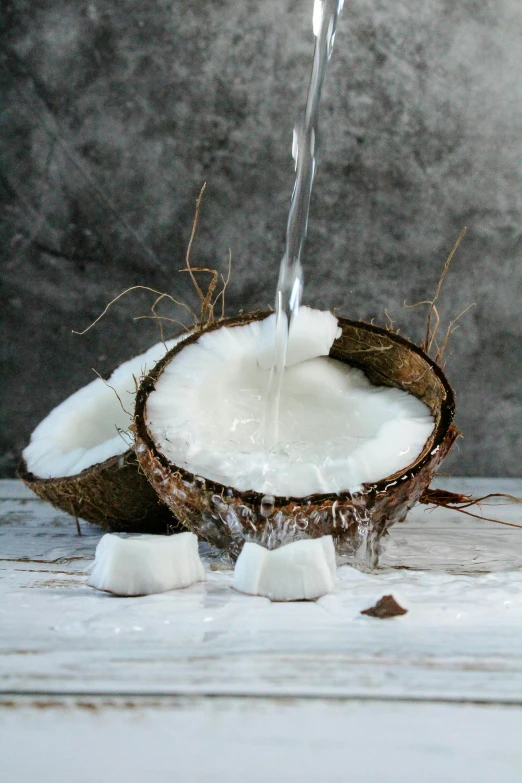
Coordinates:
<point>113,114</point>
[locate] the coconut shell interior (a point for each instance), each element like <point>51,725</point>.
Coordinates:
<point>227,517</point>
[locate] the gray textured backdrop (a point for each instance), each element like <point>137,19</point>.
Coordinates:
<point>114,113</point>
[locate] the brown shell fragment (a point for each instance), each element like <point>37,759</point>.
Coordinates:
<point>226,517</point>
<point>385,607</point>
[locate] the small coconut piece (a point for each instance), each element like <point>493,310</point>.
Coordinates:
<point>80,456</point>
<point>146,564</point>
<point>227,515</point>
<point>302,570</point>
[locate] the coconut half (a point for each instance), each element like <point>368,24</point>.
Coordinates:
<point>194,484</point>
<point>80,457</point>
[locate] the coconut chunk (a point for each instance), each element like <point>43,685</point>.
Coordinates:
<point>146,564</point>
<point>302,570</point>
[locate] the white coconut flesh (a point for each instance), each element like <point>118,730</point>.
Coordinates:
<point>91,425</point>
<point>302,570</point>
<point>337,431</point>
<point>146,564</point>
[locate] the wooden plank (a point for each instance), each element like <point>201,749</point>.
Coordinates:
<point>229,740</point>
<point>461,639</point>
<point>13,489</point>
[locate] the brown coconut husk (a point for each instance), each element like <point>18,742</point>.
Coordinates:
<point>113,494</point>
<point>226,517</point>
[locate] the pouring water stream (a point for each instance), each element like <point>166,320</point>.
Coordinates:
<point>290,284</point>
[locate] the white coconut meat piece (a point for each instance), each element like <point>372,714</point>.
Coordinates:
<point>91,425</point>
<point>146,564</point>
<point>336,430</point>
<point>302,570</point>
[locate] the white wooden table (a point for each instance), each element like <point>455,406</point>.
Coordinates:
<point>208,684</point>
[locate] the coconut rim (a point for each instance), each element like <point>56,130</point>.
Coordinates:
<point>116,462</point>
<point>251,497</point>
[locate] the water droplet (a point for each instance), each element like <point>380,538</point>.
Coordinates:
<point>267,506</point>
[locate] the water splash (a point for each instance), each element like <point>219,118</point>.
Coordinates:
<point>227,526</point>
<point>306,136</point>
<point>367,544</point>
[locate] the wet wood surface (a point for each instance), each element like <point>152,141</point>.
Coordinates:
<point>210,654</point>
